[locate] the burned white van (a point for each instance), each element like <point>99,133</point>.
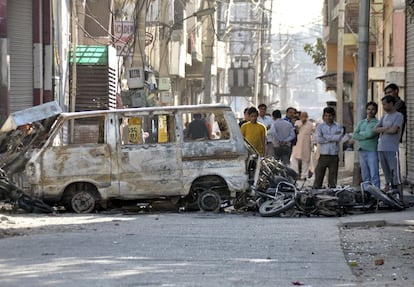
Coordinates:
<point>192,155</point>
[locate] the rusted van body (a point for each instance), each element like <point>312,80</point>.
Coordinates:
<point>90,158</point>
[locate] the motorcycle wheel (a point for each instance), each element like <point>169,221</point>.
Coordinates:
<point>273,207</point>
<point>379,195</point>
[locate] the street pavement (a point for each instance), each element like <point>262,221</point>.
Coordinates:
<point>181,249</point>
<point>188,249</point>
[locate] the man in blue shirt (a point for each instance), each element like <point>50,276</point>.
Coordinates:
<point>283,133</point>
<point>328,136</point>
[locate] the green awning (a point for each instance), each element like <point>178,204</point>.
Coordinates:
<point>90,55</point>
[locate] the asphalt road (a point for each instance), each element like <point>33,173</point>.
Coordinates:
<point>178,249</point>
<point>171,249</point>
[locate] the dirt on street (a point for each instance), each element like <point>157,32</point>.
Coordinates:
<point>380,255</point>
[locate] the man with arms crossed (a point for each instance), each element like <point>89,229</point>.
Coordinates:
<point>328,136</point>
<point>389,129</point>
<point>365,134</point>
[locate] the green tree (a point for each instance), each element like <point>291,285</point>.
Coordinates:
<point>317,51</point>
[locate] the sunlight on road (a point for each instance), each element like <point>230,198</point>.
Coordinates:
<point>36,220</point>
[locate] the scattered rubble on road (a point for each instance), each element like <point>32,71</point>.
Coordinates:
<point>380,254</point>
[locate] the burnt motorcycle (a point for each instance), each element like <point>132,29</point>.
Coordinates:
<point>289,200</point>
<point>264,174</point>
<point>14,145</point>
<point>10,192</point>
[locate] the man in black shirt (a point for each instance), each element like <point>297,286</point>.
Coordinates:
<point>246,117</point>
<point>198,128</point>
<point>392,90</point>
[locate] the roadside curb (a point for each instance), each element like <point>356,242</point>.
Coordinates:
<point>368,223</point>
<point>396,218</point>
<point>376,223</point>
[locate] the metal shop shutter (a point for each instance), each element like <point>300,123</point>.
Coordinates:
<point>409,98</point>
<point>92,90</point>
<point>19,31</point>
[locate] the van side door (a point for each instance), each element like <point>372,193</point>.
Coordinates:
<point>149,157</point>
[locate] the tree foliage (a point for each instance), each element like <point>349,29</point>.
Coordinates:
<point>317,51</point>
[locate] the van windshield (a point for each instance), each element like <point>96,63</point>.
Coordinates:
<point>80,131</point>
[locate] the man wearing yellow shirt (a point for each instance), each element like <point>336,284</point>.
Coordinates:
<point>255,132</point>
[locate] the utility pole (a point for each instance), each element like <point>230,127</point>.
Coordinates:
<point>261,87</point>
<point>340,72</point>
<point>138,59</point>
<point>208,56</point>
<point>164,64</point>
<point>363,42</point>
<point>136,69</point>
<point>164,51</point>
<point>74,41</point>
<point>284,79</point>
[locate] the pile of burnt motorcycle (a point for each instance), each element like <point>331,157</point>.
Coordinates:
<point>275,192</point>
<point>13,147</point>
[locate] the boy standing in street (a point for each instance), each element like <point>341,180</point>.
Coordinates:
<point>255,132</point>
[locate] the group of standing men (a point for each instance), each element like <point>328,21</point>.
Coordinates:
<point>290,139</point>
<point>379,140</point>
<point>287,139</point>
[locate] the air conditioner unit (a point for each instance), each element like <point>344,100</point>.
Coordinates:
<point>135,77</point>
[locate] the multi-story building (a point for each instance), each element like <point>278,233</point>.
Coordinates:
<point>26,53</point>
<point>386,52</point>
<point>36,60</point>
<point>180,57</point>
<point>248,32</point>
<point>38,37</point>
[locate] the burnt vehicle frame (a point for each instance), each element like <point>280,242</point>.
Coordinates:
<point>85,160</point>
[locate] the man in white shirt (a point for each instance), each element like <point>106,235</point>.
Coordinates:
<point>266,120</point>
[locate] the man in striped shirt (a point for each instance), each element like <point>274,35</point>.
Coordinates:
<point>328,136</point>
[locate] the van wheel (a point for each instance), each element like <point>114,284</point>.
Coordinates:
<point>209,201</point>
<point>82,202</point>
